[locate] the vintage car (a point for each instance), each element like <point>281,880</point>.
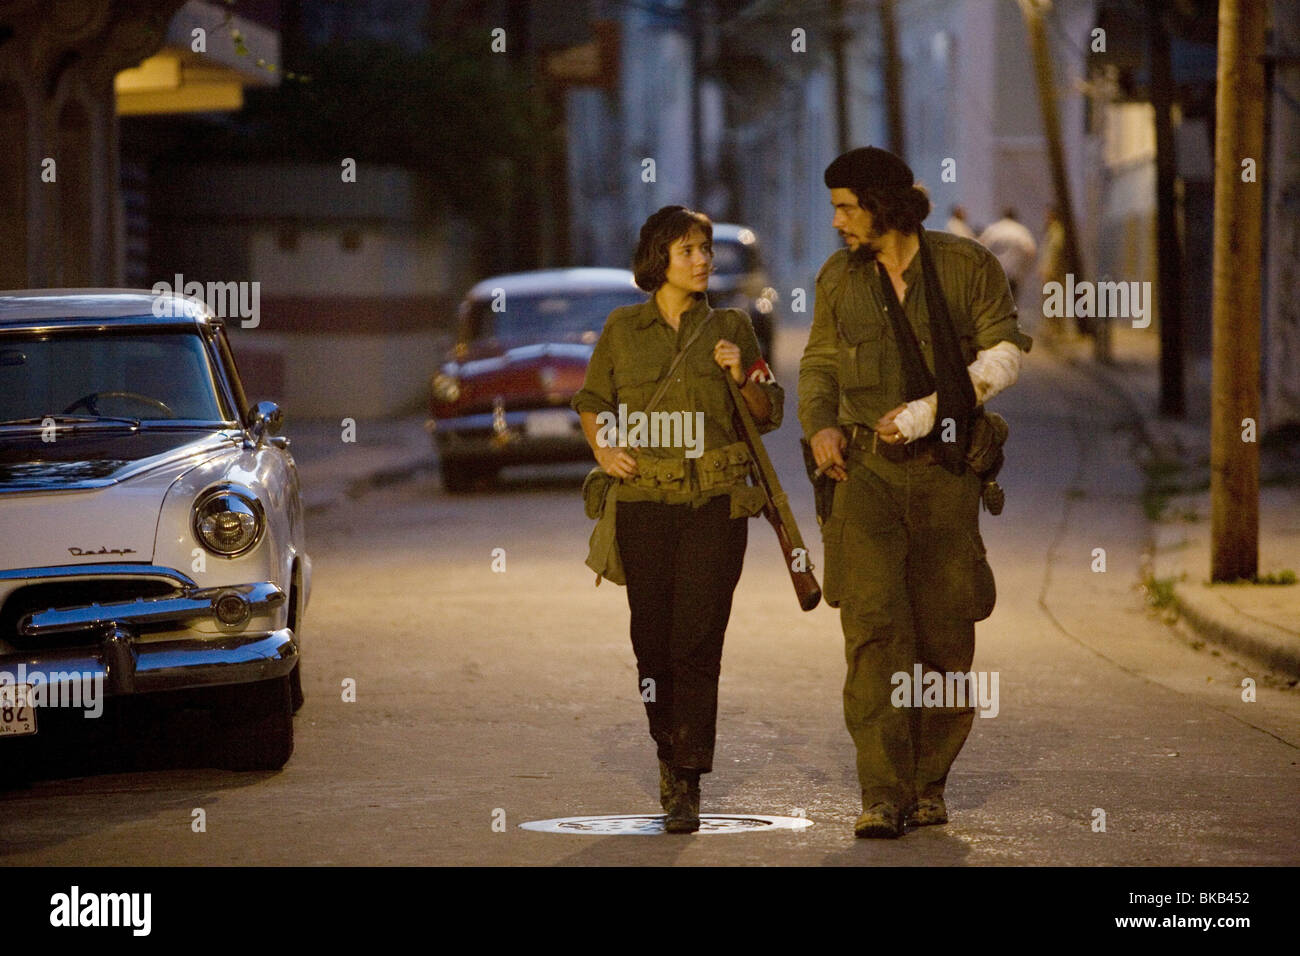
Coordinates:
<point>740,280</point>
<point>151,529</point>
<point>523,344</point>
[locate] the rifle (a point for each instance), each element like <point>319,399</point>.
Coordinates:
<point>777,508</point>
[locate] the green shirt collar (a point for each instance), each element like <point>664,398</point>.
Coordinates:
<point>650,312</point>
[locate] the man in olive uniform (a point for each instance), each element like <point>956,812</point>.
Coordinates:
<point>904,559</point>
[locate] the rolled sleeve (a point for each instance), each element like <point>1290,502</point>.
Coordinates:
<point>743,330</point>
<point>597,392</point>
<point>993,310</point>
<point>819,382</point>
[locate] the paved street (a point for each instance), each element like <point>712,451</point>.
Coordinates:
<point>478,691</point>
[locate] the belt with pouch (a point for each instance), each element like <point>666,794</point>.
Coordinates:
<point>715,468</point>
<point>864,439</point>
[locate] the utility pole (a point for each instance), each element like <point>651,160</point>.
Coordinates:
<point>840,69</point>
<point>1238,240</point>
<point>1169,245</point>
<point>893,84</point>
<point>1033,11</point>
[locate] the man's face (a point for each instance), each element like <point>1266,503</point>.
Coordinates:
<point>690,260</point>
<point>853,222</point>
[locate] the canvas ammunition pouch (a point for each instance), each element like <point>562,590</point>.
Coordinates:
<point>719,467</point>
<point>716,468</point>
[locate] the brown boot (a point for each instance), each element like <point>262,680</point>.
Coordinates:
<point>665,785</point>
<point>928,812</point>
<point>879,820</point>
<point>684,802</point>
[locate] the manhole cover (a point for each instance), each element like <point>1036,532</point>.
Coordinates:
<point>651,824</point>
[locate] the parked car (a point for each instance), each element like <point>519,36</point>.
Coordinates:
<point>740,280</point>
<point>151,529</point>
<point>522,349</point>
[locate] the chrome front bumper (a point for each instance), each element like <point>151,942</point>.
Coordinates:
<point>128,667</point>
<point>173,652</point>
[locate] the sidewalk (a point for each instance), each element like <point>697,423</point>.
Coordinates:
<point>331,468</point>
<point>1261,621</point>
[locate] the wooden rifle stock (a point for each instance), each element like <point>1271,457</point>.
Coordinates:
<point>777,509</point>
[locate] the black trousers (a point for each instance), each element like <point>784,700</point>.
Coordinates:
<point>682,566</point>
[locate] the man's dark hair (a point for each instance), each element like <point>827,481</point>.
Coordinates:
<point>661,230</point>
<point>902,208</point>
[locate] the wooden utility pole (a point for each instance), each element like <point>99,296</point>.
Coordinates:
<point>1238,240</point>
<point>893,76</point>
<point>1169,246</point>
<point>1033,11</point>
<point>838,37</point>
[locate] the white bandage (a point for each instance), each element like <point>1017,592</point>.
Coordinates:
<point>917,418</point>
<point>993,370</point>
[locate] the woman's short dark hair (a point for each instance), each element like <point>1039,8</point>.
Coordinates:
<point>891,207</point>
<point>661,230</point>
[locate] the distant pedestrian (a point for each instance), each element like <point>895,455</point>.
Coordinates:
<point>1014,247</point>
<point>958,225</point>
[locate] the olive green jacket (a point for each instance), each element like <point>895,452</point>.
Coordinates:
<point>629,360</point>
<point>852,372</point>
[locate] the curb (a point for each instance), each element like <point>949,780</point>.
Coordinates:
<point>1274,648</point>
<point>1262,642</point>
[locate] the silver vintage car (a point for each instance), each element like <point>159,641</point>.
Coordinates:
<point>151,529</point>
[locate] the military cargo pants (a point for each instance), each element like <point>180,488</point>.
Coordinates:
<point>905,564</point>
<point>682,565</point>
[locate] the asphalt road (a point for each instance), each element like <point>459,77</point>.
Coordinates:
<point>484,696</point>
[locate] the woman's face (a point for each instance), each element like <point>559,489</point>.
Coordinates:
<point>690,260</point>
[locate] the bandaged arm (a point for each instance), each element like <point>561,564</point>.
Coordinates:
<point>993,370</point>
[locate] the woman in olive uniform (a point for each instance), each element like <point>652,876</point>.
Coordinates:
<point>682,498</point>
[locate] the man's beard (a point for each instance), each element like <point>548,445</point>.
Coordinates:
<point>867,249</point>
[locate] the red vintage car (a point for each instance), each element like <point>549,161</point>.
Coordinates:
<point>522,349</point>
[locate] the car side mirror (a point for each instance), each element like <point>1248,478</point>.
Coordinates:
<point>264,420</point>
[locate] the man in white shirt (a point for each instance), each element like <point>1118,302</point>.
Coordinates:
<point>1014,246</point>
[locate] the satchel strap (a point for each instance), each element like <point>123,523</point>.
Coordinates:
<point>677,359</point>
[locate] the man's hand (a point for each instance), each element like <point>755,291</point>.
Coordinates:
<point>727,354</point>
<point>828,451</point>
<point>888,430</point>
<point>616,462</point>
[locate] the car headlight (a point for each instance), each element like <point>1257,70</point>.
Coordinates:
<point>446,388</point>
<point>228,520</point>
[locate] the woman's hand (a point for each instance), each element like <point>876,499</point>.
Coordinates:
<point>616,462</point>
<point>727,355</point>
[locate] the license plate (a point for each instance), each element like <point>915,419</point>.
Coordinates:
<point>549,424</point>
<point>17,716</point>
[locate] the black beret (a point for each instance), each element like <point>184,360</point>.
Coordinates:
<point>866,167</point>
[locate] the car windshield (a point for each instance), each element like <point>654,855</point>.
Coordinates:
<point>128,373</point>
<point>555,315</point>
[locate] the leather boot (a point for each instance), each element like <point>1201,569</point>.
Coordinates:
<point>684,802</point>
<point>665,785</point>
